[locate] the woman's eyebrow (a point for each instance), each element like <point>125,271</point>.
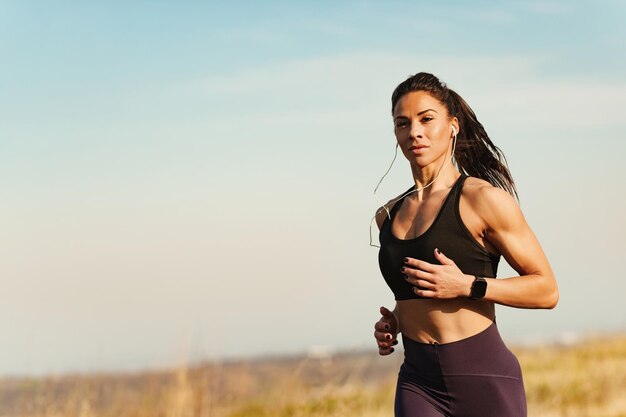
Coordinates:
<point>419,114</point>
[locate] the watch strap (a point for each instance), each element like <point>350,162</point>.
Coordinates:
<point>479,288</point>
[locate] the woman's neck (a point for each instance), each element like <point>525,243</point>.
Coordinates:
<point>428,179</point>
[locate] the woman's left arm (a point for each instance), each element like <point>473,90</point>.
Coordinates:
<point>506,229</point>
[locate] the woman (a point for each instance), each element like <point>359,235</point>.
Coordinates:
<point>440,243</point>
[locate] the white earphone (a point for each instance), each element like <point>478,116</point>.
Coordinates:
<point>453,130</point>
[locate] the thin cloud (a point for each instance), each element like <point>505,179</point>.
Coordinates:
<point>548,8</point>
<point>500,17</point>
<point>346,74</point>
<point>511,89</point>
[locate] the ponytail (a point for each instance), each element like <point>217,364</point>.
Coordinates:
<point>475,154</point>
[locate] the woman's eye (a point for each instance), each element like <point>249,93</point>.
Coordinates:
<point>401,124</point>
<point>427,119</point>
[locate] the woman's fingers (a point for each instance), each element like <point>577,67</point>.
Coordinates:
<point>425,293</point>
<point>388,321</point>
<point>419,264</point>
<point>382,332</point>
<point>386,313</point>
<point>443,259</point>
<point>386,348</point>
<point>418,273</point>
<point>421,283</point>
<point>386,342</point>
<point>386,351</point>
<point>383,337</point>
<point>382,326</point>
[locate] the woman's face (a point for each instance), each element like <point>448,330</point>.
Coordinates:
<point>423,128</point>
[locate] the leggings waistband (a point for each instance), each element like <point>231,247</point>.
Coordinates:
<point>482,353</point>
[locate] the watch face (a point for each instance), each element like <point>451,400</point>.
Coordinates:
<point>479,288</point>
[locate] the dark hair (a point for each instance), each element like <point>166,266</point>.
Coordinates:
<point>475,154</point>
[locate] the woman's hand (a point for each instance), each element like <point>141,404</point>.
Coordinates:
<point>437,281</point>
<point>385,331</point>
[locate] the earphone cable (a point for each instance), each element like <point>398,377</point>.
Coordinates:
<point>408,192</point>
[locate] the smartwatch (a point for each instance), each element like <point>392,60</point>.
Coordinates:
<point>479,288</point>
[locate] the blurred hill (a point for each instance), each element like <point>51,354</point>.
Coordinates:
<point>586,377</point>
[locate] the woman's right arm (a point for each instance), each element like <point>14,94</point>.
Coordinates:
<point>387,328</point>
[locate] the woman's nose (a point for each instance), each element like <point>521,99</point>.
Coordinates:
<point>416,130</point>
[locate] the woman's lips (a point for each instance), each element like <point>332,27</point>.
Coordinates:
<point>418,149</point>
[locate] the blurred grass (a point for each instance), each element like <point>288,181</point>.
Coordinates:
<point>586,379</point>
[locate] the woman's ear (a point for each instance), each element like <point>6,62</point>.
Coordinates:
<point>454,127</point>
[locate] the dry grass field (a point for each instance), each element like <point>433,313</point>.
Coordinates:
<point>586,379</point>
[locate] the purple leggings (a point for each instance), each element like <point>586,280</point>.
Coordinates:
<point>473,377</point>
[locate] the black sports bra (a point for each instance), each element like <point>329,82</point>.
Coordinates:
<point>448,233</point>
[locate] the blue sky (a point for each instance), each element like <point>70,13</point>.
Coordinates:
<point>190,180</point>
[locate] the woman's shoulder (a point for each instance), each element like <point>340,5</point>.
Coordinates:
<point>488,201</point>
<point>381,213</point>
<point>477,189</point>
